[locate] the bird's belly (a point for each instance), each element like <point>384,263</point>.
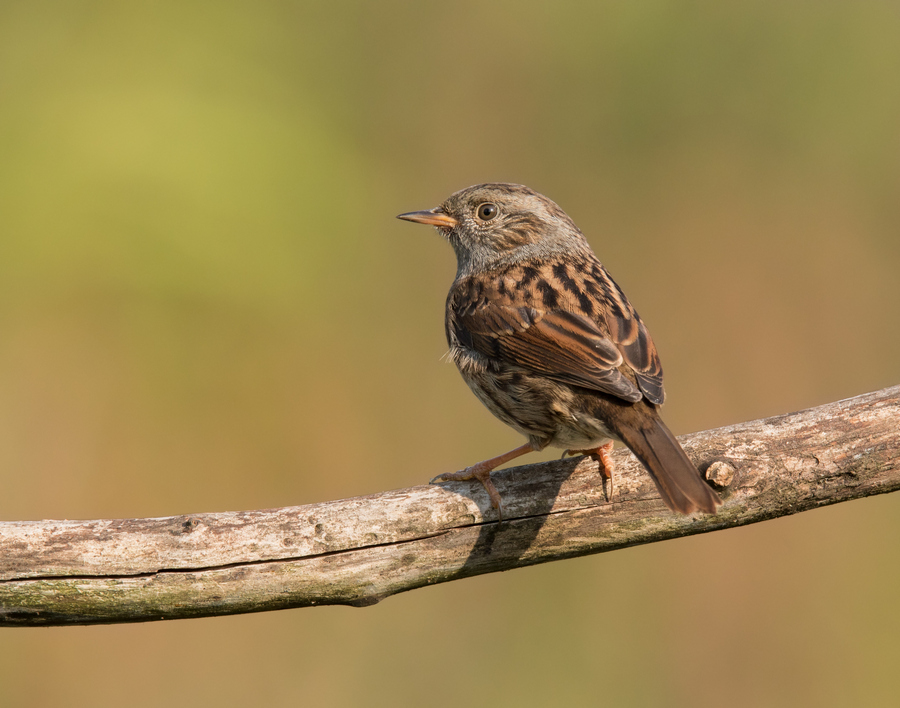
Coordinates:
<point>548,413</point>
<point>586,435</point>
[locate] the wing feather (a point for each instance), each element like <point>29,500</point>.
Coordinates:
<point>500,321</point>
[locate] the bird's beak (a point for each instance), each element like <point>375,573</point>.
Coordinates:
<point>433,217</point>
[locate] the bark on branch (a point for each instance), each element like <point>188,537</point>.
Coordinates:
<point>358,551</point>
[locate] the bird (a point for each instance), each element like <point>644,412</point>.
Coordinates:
<point>548,342</point>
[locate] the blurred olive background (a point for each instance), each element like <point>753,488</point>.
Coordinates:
<point>206,304</point>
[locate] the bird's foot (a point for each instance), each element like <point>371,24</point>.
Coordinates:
<point>482,472</point>
<point>604,461</point>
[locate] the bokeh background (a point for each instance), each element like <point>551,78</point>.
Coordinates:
<point>206,304</point>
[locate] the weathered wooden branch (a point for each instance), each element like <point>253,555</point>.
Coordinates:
<point>358,551</point>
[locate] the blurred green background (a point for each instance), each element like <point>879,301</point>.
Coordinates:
<point>206,304</point>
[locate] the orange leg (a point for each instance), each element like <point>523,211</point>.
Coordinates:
<point>601,454</point>
<point>482,472</point>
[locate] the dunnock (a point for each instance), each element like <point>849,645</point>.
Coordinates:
<point>549,343</point>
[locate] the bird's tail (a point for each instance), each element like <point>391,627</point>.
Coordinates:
<point>678,481</point>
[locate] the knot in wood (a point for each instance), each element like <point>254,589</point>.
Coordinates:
<point>720,473</point>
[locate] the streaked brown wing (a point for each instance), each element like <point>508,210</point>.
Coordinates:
<point>582,335</point>
<point>633,340</point>
<point>561,345</point>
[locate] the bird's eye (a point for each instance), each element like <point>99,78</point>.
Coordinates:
<point>487,211</point>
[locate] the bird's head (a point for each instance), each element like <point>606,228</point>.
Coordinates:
<point>495,224</point>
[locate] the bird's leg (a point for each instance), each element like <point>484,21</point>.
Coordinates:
<point>606,466</point>
<point>482,472</point>
<point>601,454</point>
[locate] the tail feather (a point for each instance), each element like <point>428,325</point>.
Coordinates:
<point>677,479</point>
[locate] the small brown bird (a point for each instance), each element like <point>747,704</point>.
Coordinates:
<point>549,343</point>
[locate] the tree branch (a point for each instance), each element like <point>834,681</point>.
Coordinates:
<point>358,551</point>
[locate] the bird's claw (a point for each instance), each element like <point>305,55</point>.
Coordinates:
<point>482,475</point>
<point>604,461</point>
